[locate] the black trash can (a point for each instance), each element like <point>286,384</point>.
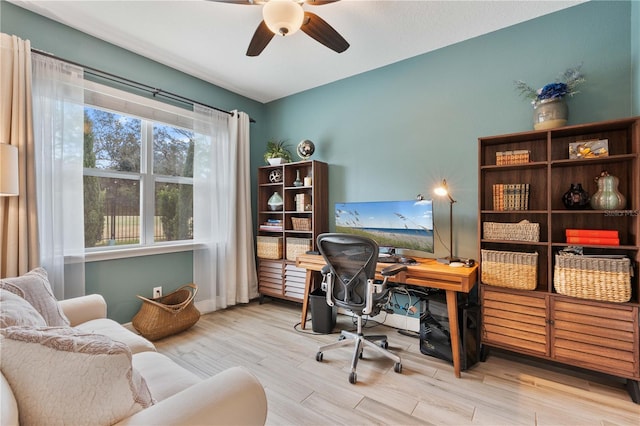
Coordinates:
<point>323,316</point>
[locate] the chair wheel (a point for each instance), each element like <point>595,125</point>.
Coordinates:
<point>384,344</point>
<point>319,357</point>
<point>341,337</point>
<point>397,367</point>
<point>361,355</point>
<point>353,378</point>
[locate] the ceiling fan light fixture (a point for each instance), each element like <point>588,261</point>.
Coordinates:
<point>283,17</point>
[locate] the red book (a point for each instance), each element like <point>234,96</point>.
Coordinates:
<point>597,233</point>
<point>594,240</point>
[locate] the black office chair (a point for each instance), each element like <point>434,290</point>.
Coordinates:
<point>349,280</point>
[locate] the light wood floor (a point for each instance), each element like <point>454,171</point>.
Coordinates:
<point>504,390</point>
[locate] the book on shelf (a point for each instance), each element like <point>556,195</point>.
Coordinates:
<point>519,156</point>
<point>272,225</point>
<point>594,241</point>
<point>593,233</point>
<point>511,196</point>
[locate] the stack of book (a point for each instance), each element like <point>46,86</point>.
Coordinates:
<point>511,196</point>
<point>272,225</point>
<point>602,237</point>
<point>512,157</point>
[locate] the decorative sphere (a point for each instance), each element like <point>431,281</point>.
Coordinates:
<point>275,176</point>
<point>305,149</point>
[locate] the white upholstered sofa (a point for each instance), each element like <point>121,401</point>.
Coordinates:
<point>153,390</point>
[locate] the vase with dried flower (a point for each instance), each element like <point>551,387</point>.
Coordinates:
<point>549,104</point>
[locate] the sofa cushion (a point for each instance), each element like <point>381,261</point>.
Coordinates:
<point>8,404</point>
<point>115,331</point>
<point>61,376</point>
<point>34,287</point>
<point>14,310</point>
<point>163,376</point>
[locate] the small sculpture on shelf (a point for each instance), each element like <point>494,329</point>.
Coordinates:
<point>275,202</point>
<point>576,198</point>
<point>608,197</point>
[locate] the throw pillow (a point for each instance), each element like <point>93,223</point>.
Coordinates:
<point>34,287</point>
<point>61,376</point>
<point>14,310</point>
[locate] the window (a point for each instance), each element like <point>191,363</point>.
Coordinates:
<point>138,173</point>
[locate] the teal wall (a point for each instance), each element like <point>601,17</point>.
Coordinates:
<point>635,55</point>
<point>120,280</point>
<point>393,132</point>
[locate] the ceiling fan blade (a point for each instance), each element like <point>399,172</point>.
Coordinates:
<point>260,39</point>
<point>318,29</point>
<point>319,2</point>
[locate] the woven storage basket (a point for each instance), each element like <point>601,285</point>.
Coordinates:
<point>301,223</point>
<point>511,231</point>
<point>269,247</point>
<point>510,269</point>
<point>167,315</point>
<point>297,246</point>
<point>593,278</point>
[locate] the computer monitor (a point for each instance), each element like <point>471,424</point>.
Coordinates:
<point>406,225</point>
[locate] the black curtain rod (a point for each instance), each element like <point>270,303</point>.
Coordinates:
<point>125,81</point>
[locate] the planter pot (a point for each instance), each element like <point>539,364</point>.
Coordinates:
<point>276,161</point>
<point>550,113</point>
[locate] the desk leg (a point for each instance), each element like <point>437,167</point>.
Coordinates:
<point>305,301</point>
<point>452,309</point>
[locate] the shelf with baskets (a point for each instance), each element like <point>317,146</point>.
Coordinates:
<point>284,231</point>
<point>543,294</point>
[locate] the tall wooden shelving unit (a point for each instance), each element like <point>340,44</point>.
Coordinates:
<point>280,278</point>
<point>596,335</point>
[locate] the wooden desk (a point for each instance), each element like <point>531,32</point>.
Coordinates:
<point>427,273</point>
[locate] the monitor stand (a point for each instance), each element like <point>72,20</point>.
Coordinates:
<point>447,260</point>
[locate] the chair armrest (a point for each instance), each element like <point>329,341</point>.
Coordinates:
<point>393,270</point>
<point>233,397</point>
<point>84,308</point>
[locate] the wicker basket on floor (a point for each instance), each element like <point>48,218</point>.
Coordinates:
<point>593,278</point>
<point>167,315</point>
<point>510,269</point>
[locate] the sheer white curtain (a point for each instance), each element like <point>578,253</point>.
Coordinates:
<point>223,265</point>
<point>58,110</point>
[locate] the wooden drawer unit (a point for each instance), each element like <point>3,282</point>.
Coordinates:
<point>601,337</point>
<point>514,321</point>
<point>294,281</point>
<point>270,277</point>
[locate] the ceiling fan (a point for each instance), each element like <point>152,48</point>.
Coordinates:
<point>285,17</point>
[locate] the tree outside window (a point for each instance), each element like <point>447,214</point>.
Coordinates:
<point>129,200</point>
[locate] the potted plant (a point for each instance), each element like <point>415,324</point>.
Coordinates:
<point>277,152</point>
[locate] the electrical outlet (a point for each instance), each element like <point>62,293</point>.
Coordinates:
<point>157,292</point>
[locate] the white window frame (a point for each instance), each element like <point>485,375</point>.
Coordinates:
<point>149,111</point>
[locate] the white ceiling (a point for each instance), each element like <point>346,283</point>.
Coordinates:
<point>208,39</point>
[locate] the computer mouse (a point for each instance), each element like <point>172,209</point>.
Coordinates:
<point>407,261</point>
